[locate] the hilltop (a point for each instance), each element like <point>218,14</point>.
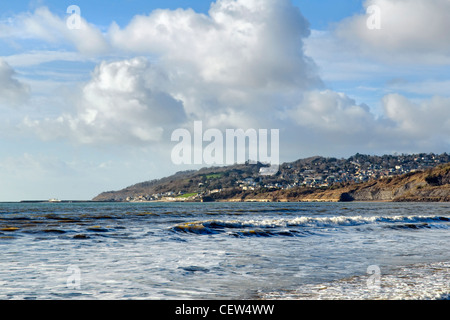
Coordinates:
<point>418,177</point>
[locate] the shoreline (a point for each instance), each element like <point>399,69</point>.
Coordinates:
<point>252,200</point>
<point>271,201</point>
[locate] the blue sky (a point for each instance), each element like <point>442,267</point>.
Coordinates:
<point>92,109</point>
<point>102,13</point>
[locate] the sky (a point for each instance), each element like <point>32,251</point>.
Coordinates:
<point>89,102</point>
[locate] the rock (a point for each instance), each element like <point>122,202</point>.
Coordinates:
<point>346,197</point>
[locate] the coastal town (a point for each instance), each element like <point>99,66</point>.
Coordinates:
<point>313,172</point>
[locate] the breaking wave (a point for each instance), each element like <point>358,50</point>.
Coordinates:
<point>301,226</point>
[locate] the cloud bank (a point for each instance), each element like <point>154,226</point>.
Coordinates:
<point>243,65</point>
<point>410,31</point>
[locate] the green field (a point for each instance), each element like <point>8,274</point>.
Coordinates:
<point>214,176</point>
<point>187,195</point>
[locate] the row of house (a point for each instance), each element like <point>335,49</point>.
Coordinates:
<point>320,172</point>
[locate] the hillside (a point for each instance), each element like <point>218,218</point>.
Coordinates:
<point>432,185</point>
<point>419,177</point>
<point>184,182</point>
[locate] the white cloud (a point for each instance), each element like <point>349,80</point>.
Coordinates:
<point>44,25</point>
<point>420,120</point>
<point>243,65</point>
<point>12,91</point>
<point>330,123</point>
<point>120,104</point>
<point>332,119</point>
<point>332,112</point>
<point>231,68</point>
<point>241,44</point>
<point>410,30</point>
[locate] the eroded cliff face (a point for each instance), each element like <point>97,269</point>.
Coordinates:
<point>429,185</point>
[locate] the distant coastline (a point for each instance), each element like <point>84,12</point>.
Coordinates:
<point>418,180</point>
<point>48,201</point>
<point>241,183</point>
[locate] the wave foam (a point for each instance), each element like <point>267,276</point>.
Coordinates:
<point>414,282</point>
<point>251,227</point>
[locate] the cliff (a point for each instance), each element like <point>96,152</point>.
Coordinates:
<point>431,185</point>
<point>428,185</point>
<point>422,185</point>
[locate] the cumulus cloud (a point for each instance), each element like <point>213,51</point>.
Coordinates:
<point>333,112</point>
<point>332,119</point>
<point>231,68</point>
<point>120,104</point>
<point>244,43</point>
<point>409,29</point>
<point>420,120</point>
<point>12,91</point>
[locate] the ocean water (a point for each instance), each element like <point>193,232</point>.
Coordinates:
<point>224,250</point>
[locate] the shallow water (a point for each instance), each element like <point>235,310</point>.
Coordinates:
<point>224,250</point>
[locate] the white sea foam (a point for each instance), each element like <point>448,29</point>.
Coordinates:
<point>414,282</point>
<point>332,221</point>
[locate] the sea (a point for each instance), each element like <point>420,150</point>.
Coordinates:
<point>244,251</point>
